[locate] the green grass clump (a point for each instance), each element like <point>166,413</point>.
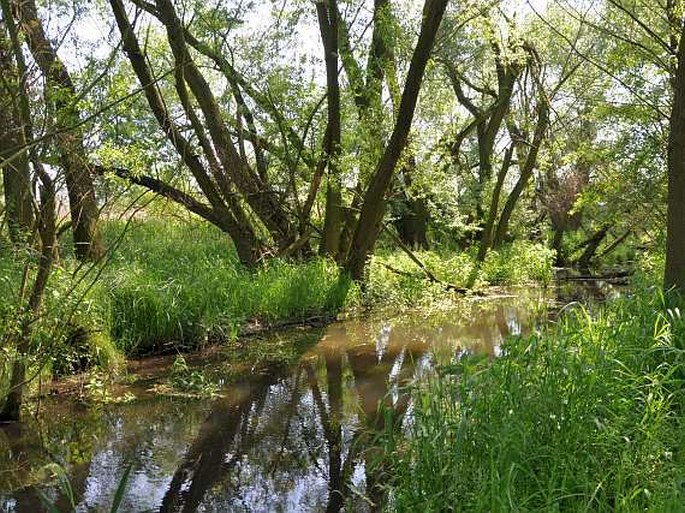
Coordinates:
<point>586,416</point>
<point>518,263</point>
<point>395,279</point>
<point>71,331</point>
<point>171,285</point>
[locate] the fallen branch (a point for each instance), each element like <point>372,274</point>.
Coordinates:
<point>431,277</point>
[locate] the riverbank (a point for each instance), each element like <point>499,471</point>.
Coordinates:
<point>196,436</point>
<point>585,415</point>
<point>169,287</point>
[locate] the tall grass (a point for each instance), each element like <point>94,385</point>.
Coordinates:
<point>188,288</point>
<point>395,279</point>
<point>171,285</point>
<point>72,329</point>
<point>586,416</point>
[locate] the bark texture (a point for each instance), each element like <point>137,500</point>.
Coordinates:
<point>674,274</point>
<point>16,174</point>
<point>327,14</point>
<point>69,140</point>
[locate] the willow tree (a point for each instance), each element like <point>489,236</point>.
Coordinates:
<point>674,275</point>
<point>646,62</point>
<point>368,73</point>
<point>246,177</point>
<point>14,155</point>
<point>370,220</point>
<point>18,116</point>
<point>68,137</point>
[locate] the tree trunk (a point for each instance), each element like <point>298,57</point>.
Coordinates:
<point>591,246</point>
<point>373,207</point>
<point>16,174</point>
<point>674,273</point>
<point>557,246</point>
<point>487,235</point>
<point>412,223</point>
<point>526,170</point>
<point>327,14</point>
<point>411,214</point>
<point>69,140</point>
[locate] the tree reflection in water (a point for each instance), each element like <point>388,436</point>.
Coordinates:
<point>299,439</point>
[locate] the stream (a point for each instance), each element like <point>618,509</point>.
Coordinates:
<point>298,438</point>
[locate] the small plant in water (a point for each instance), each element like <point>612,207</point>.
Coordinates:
<point>97,389</point>
<point>189,381</point>
<point>64,484</point>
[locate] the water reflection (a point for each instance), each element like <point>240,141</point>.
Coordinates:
<point>298,439</point>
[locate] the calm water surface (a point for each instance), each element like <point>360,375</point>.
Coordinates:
<point>295,439</point>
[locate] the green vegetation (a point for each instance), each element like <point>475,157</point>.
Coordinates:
<point>394,279</point>
<point>417,152</point>
<point>585,416</point>
<point>187,290</point>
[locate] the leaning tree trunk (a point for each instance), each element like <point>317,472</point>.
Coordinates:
<point>225,213</point>
<point>591,246</point>
<point>373,208</point>
<point>69,139</point>
<point>674,274</point>
<point>488,230</point>
<point>527,168</point>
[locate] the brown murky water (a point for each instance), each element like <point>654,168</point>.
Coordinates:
<point>297,439</point>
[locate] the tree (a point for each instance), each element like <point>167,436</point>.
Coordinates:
<point>45,226</point>
<point>373,207</point>
<point>674,274</point>
<point>61,92</point>
<point>16,173</point>
<point>327,15</point>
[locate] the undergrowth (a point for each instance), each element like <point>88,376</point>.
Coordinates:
<point>395,279</point>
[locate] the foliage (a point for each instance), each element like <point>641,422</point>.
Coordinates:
<point>71,334</point>
<point>186,382</point>
<point>394,279</point>
<point>188,289</point>
<point>582,417</point>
